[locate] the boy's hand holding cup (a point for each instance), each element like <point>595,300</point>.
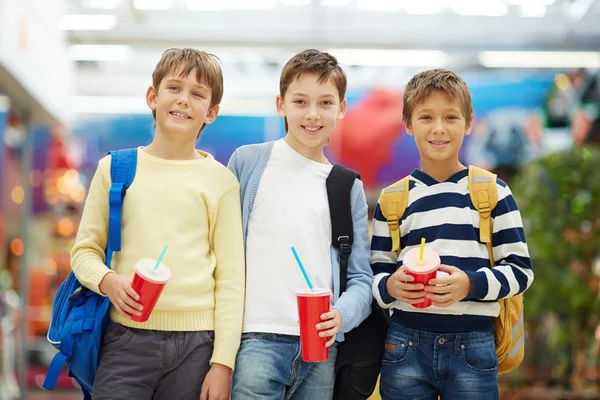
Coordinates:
<point>123,297</point>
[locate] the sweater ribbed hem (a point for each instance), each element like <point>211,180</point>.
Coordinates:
<point>160,320</point>
<point>224,353</point>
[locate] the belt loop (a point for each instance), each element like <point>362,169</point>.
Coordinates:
<point>457,344</point>
<point>416,339</point>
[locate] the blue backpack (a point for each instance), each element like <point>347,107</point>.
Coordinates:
<point>79,316</point>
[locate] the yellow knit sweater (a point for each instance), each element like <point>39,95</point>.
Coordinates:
<point>193,206</point>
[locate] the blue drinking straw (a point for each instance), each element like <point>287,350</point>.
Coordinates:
<point>310,286</point>
<point>162,254</point>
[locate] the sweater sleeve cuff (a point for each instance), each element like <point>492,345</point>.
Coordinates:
<point>96,279</point>
<point>479,285</point>
<point>224,353</point>
<point>345,314</point>
<point>380,293</point>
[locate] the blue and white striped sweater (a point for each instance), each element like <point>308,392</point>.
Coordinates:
<point>443,213</point>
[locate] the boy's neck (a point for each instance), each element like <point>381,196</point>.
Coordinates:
<point>441,171</point>
<point>164,146</point>
<point>312,153</point>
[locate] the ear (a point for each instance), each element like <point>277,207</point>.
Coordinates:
<point>151,98</point>
<point>212,115</point>
<point>408,128</point>
<point>342,111</point>
<point>469,125</point>
<point>280,106</point>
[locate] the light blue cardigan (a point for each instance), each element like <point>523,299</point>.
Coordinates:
<point>248,164</point>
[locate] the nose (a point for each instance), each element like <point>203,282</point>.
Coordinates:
<point>438,127</point>
<point>182,100</point>
<point>312,114</point>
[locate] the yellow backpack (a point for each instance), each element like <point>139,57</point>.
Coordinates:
<point>510,329</point>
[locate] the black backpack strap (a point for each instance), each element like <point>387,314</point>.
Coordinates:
<point>339,186</point>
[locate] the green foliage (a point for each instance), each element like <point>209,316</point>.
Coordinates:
<point>559,199</point>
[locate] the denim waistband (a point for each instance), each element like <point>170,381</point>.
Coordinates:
<point>431,339</point>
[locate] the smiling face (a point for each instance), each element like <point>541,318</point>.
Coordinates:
<point>439,127</point>
<point>311,108</point>
<point>182,105</point>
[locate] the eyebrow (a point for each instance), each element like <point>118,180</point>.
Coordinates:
<point>196,85</point>
<point>304,94</point>
<point>450,109</point>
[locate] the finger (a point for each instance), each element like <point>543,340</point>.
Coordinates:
<point>411,286</point>
<point>130,310</point>
<point>132,293</point>
<point>328,315</point>
<point>120,311</point>
<point>440,298</point>
<point>131,302</point>
<point>443,303</point>
<point>447,268</point>
<point>409,294</point>
<point>330,342</point>
<point>439,289</point>
<point>204,393</point>
<point>329,333</point>
<point>325,325</point>
<point>414,301</point>
<point>402,276</point>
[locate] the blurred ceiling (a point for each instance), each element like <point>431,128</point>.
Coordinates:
<point>116,43</point>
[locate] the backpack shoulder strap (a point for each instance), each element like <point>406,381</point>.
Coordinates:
<point>339,187</point>
<point>392,202</point>
<point>122,171</point>
<point>484,196</point>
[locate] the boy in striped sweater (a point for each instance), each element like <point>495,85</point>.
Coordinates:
<point>448,348</point>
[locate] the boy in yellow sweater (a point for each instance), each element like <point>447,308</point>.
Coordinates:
<point>184,198</point>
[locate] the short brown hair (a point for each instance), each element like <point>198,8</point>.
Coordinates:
<point>208,71</point>
<point>425,83</point>
<point>312,61</point>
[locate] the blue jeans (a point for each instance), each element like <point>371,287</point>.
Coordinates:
<point>421,365</point>
<point>270,367</point>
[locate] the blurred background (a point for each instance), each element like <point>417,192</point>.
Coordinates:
<point>73,75</point>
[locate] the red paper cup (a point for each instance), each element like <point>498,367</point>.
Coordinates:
<point>422,270</point>
<point>311,304</point>
<point>149,284</point>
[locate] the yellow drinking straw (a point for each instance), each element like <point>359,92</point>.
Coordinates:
<point>422,249</point>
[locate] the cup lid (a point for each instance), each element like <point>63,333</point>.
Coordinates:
<point>313,292</point>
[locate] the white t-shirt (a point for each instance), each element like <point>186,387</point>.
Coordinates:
<point>290,209</point>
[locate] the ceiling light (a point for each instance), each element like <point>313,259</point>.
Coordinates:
<point>334,3</point>
<point>152,4</point>
<point>100,52</point>
<point>379,5</point>
<point>101,4</point>
<point>252,4</point>
<point>539,59</point>
<point>98,22</point>
<point>391,57</point>
<point>424,7</point>
<point>205,5</point>
<point>487,8</point>
<point>295,2</point>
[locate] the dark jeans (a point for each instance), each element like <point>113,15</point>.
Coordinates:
<point>421,365</point>
<point>140,364</point>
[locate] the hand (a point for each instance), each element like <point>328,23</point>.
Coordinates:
<point>216,385</point>
<point>121,294</point>
<point>331,326</point>
<point>399,287</point>
<point>450,289</point>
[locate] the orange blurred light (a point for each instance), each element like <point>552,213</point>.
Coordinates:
<point>17,247</point>
<point>50,266</point>
<point>17,194</point>
<point>71,177</point>
<point>65,227</point>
